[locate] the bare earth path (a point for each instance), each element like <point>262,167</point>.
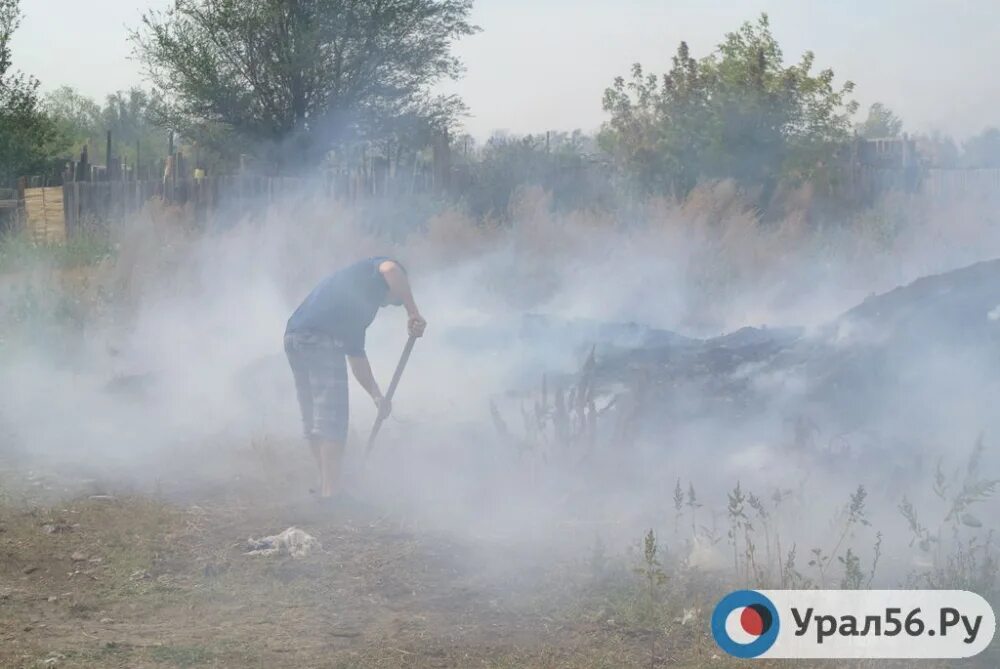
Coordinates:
<point>113,580</point>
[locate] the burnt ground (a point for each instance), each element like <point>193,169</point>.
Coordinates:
<point>882,348</point>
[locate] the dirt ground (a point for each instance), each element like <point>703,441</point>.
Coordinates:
<point>108,578</point>
<point>97,574</point>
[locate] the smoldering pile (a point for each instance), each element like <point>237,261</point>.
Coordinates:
<point>894,351</point>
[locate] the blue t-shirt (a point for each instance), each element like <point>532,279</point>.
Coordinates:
<point>343,305</point>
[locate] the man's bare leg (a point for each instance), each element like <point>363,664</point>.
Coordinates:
<point>331,453</point>
<point>315,449</point>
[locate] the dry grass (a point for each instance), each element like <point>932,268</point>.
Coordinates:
<point>719,263</point>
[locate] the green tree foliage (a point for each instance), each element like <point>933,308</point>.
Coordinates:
<point>881,122</point>
<point>291,79</point>
<point>558,162</point>
<point>739,113</point>
<point>25,132</point>
<point>660,129</point>
<point>77,118</point>
<point>129,115</point>
<point>983,150</point>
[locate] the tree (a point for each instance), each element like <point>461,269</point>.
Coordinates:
<point>773,121</point>
<point>291,79</point>
<point>128,115</point>
<point>77,118</point>
<point>556,162</point>
<point>983,150</point>
<point>26,134</point>
<point>740,113</point>
<point>881,123</point>
<point>132,119</point>
<point>659,130</point>
<point>938,149</point>
<point>10,19</point>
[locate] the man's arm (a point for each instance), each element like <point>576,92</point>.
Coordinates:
<point>399,288</point>
<point>362,371</point>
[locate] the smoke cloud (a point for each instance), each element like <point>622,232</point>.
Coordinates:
<point>176,381</point>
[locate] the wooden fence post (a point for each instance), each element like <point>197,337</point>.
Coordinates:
<point>69,207</point>
<point>107,158</point>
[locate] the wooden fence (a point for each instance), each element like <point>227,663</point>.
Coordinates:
<point>99,202</point>
<point>91,202</point>
<point>942,184</point>
<point>44,210</point>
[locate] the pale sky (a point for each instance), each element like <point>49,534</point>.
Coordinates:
<point>543,64</point>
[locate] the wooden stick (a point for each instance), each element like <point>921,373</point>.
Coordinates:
<point>392,391</point>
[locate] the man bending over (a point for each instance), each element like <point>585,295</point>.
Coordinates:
<point>328,327</point>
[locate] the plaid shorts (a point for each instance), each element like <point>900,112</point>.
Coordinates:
<point>320,371</point>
